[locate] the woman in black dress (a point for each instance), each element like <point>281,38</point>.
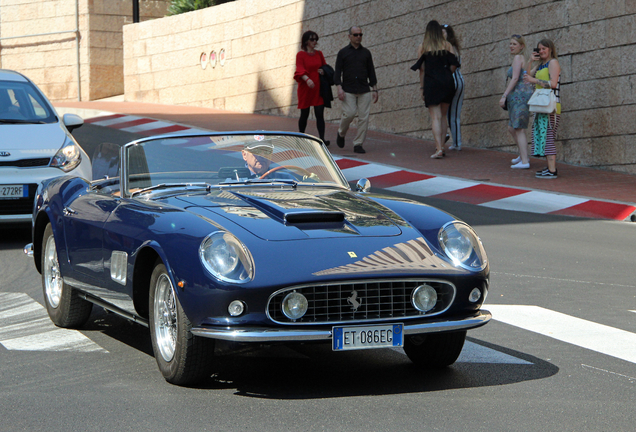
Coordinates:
<point>436,65</point>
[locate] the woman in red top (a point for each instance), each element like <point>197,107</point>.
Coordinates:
<point>308,63</point>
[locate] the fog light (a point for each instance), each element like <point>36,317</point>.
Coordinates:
<point>236,308</point>
<point>295,305</point>
<point>475,295</point>
<point>424,298</point>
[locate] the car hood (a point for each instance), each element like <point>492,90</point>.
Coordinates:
<point>297,214</point>
<point>27,141</point>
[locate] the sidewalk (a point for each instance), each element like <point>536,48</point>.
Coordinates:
<point>472,164</point>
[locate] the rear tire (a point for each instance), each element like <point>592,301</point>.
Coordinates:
<point>434,350</point>
<point>182,357</point>
<point>66,309</point>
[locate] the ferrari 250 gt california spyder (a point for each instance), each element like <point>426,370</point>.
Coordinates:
<point>251,238</point>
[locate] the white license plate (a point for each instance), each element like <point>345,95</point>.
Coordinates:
<point>14,191</point>
<point>362,337</point>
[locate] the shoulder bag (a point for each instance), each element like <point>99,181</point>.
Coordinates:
<point>542,101</point>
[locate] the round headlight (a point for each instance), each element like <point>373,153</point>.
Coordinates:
<point>226,258</point>
<point>424,298</point>
<point>474,295</point>
<point>461,244</point>
<point>295,305</point>
<point>236,308</point>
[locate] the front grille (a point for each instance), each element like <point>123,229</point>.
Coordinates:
<point>26,163</point>
<point>377,300</point>
<point>18,206</point>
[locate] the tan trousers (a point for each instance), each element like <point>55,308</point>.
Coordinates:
<point>352,104</point>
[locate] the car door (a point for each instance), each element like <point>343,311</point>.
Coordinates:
<point>84,220</point>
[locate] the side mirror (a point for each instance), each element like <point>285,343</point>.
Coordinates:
<point>363,185</point>
<point>72,121</point>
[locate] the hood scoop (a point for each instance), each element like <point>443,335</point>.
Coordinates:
<point>295,215</point>
<point>314,217</point>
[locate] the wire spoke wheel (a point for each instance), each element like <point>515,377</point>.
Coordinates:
<point>52,277</point>
<point>165,318</point>
<point>63,304</point>
<point>182,357</point>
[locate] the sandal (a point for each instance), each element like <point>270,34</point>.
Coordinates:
<point>438,154</point>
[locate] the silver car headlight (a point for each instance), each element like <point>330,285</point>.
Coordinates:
<point>68,157</point>
<point>461,244</point>
<point>226,258</point>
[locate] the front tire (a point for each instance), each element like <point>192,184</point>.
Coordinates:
<point>434,350</point>
<point>182,357</point>
<point>66,309</point>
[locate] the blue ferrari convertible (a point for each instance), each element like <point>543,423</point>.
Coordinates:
<point>253,237</point>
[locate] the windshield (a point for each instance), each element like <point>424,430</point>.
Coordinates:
<point>20,102</point>
<point>228,160</point>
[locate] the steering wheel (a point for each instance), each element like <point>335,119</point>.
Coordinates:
<point>292,167</point>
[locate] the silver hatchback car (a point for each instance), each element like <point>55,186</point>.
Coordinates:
<point>35,145</point>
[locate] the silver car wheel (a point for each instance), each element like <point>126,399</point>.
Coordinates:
<point>52,278</point>
<point>165,317</point>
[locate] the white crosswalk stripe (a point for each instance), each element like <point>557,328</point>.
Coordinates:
<point>25,326</point>
<point>586,334</point>
<point>475,353</point>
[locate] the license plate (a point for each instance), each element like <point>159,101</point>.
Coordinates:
<point>14,191</point>
<point>362,337</point>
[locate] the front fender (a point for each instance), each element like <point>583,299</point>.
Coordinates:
<point>424,218</point>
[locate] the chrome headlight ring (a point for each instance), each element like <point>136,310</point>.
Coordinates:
<point>226,258</point>
<point>462,246</point>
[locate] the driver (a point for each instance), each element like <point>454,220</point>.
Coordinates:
<point>257,156</point>
<point>7,109</point>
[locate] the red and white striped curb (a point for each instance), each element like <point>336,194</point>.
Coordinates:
<point>424,185</point>
<point>486,195</point>
<point>139,125</point>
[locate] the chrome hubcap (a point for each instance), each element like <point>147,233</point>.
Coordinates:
<point>52,277</point>
<point>165,318</point>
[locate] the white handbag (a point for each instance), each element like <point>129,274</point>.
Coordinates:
<point>542,101</point>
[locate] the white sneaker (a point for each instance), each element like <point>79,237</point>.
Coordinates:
<point>520,165</point>
<point>516,160</point>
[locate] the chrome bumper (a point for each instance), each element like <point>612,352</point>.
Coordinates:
<point>18,218</point>
<point>254,334</point>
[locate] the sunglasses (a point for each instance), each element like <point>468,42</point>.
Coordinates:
<point>313,39</point>
<point>516,36</point>
<point>356,34</point>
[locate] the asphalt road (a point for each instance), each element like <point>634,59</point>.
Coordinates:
<point>552,366</point>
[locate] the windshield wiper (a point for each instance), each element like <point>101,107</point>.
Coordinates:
<point>185,186</point>
<point>18,121</point>
<point>260,181</point>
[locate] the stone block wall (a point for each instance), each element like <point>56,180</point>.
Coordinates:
<point>253,45</point>
<point>596,43</point>
<point>51,61</point>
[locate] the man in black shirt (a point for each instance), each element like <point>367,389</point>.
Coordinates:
<point>357,87</point>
